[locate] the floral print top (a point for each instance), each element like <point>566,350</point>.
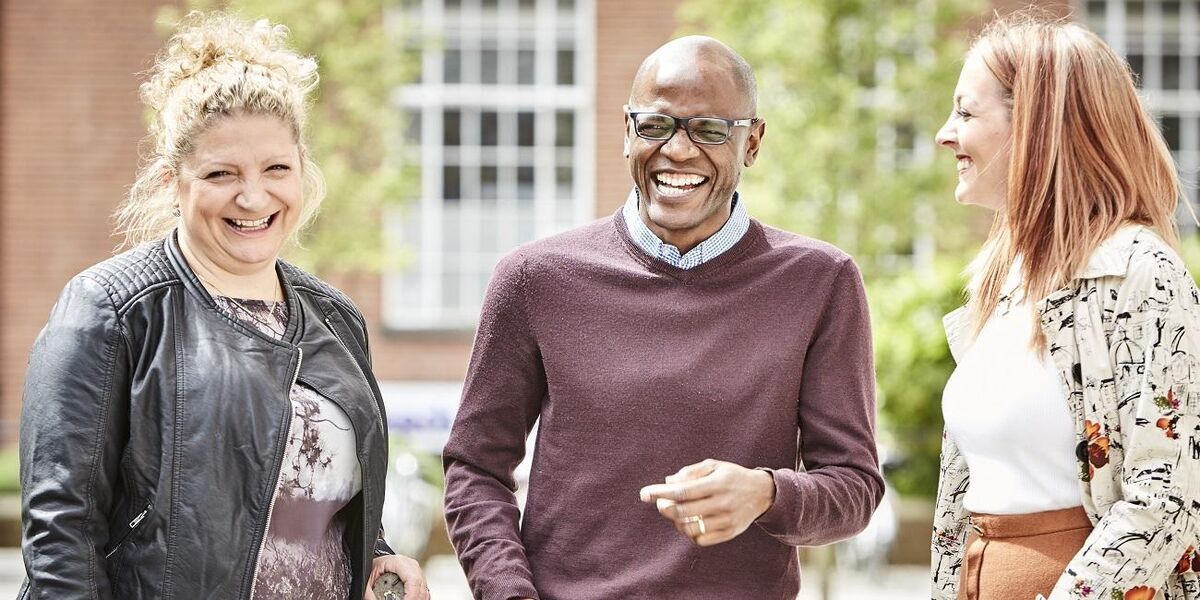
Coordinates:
<point>1125,338</point>
<point>303,557</point>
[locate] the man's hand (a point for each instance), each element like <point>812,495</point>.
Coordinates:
<point>415,587</point>
<point>712,501</point>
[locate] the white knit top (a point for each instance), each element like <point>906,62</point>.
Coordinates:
<point>1005,408</point>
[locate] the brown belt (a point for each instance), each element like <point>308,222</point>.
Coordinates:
<point>996,527</point>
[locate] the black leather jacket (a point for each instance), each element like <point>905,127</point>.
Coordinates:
<point>153,431</point>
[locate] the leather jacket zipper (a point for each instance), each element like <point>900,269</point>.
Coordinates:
<point>335,332</point>
<point>287,433</point>
<point>339,338</point>
<point>362,466</point>
<point>132,527</point>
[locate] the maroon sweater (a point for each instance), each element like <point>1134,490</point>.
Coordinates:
<point>634,368</point>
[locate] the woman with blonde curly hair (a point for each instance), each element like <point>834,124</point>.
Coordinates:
<point>200,417</point>
<point>1070,464</point>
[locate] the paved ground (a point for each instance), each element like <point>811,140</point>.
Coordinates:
<point>896,583</point>
<point>446,581</point>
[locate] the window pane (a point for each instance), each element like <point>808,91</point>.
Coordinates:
<point>490,66</point>
<point>525,183</point>
<point>1171,72</point>
<point>451,228</point>
<point>525,129</point>
<point>451,128</point>
<point>452,66</point>
<point>905,137</point>
<point>451,183</point>
<point>488,182</point>
<point>566,67</point>
<point>489,228</point>
<point>526,61</point>
<point>412,129</point>
<point>450,288</point>
<point>564,129</point>
<point>1170,16</point>
<point>1170,129</point>
<point>1135,17</point>
<point>566,5</point>
<point>1136,64</point>
<point>565,179</point>
<point>488,128</point>
<point>525,229</point>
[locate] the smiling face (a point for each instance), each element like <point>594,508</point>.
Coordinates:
<point>979,133</point>
<point>240,195</point>
<point>686,188</point>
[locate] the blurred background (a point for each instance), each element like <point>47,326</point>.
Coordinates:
<point>453,130</point>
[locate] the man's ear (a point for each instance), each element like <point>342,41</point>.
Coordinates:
<point>625,121</point>
<point>754,142</point>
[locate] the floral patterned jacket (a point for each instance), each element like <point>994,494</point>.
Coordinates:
<point>1125,337</point>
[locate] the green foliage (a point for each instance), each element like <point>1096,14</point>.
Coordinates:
<point>10,470</point>
<point>852,93</point>
<point>362,62</point>
<point>912,364</point>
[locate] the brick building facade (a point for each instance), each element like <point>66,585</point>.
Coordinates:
<point>70,125</point>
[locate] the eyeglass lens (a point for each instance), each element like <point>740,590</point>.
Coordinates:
<point>701,129</point>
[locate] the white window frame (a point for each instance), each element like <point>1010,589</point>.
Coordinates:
<point>1183,103</point>
<point>544,98</point>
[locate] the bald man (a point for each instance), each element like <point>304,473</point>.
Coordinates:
<point>703,383</point>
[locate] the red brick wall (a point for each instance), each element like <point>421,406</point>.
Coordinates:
<point>434,356</point>
<point>626,32</point>
<point>71,124</point>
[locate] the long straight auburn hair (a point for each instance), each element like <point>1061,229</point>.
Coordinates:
<point>1087,158</point>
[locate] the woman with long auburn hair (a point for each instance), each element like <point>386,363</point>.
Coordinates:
<point>1072,448</point>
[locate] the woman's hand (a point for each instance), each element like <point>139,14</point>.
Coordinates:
<point>409,571</point>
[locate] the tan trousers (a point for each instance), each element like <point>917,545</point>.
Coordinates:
<point>1017,557</point>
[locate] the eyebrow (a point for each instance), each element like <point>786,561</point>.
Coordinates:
<point>208,164</point>
<point>960,99</point>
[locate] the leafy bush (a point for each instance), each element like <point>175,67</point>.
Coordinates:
<point>912,364</point>
<point>10,473</point>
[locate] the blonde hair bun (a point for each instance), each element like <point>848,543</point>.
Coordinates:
<point>215,65</point>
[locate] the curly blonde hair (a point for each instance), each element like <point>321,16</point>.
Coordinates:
<point>215,65</point>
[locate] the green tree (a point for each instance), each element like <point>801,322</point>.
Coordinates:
<point>852,92</point>
<point>353,128</point>
<point>912,364</point>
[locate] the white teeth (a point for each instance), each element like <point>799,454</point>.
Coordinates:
<point>673,184</point>
<point>249,225</point>
<point>963,163</point>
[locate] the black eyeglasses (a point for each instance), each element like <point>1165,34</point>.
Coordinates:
<point>658,127</point>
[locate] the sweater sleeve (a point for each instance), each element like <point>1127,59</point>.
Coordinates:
<point>502,398</point>
<point>840,487</point>
<point>75,401</point>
